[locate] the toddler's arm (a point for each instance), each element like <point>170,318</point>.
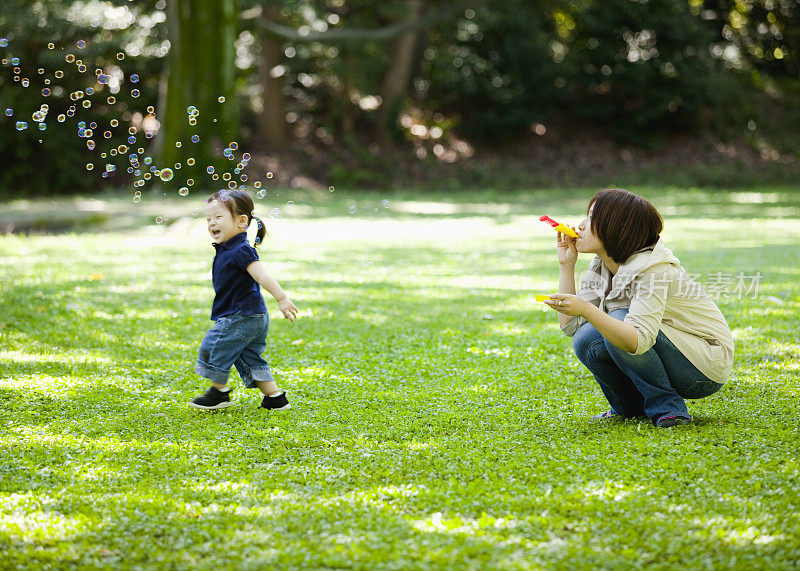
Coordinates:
<point>285,305</point>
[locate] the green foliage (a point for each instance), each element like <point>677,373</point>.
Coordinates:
<point>493,69</point>
<point>29,28</point>
<point>765,34</point>
<point>440,417</point>
<point>639,67</point>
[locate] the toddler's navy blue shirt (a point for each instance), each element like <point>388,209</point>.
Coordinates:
<point>235,289</point>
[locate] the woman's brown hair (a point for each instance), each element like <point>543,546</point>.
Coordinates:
<point>239,202</point>
<point>624,222</point>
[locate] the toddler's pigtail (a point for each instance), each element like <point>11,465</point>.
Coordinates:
<point>262,231</point>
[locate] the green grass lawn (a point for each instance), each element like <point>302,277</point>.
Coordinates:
<point>439,420</point>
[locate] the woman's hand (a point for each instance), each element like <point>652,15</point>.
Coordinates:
<point>288,309</point>
<point>566,250</point>
<point>567,304</point>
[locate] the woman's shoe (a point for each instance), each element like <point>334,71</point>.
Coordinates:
<point>667,421</point>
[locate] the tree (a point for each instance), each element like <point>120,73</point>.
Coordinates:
<point>363,62</point>
<point>201,74</point>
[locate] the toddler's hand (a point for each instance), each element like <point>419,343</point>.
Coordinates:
<point>288,309</point>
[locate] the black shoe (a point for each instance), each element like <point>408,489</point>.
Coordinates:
<point>278,402</point>
<point>213,399</point>
<point>667,421</point>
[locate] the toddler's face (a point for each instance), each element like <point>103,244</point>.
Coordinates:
<point>221,224</point>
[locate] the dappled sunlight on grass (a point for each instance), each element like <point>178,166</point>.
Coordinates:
<point>439,420</point>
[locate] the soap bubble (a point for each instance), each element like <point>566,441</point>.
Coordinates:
<point>190,161</point>
<point>103,79</point>
<point>81,44</point>
<point>257,184</point>
<point>331,188</point>
<point>234,145</point>
<point>261,193</point>
<point>221,99</point>
<point>89,166</point>
<point>210,170</point>
<point>385,203</point>
<point>352,209</point>
<point>195,138</point>
<point>269,174</point>
<point>134,78</point>
<point>15,61</point>
<point>134,93</point>
<point>9,112</point>
<point>166,175</point>
<point>21,125</point>
<point>275,213</point>
<point>51,46</point>
<point>3,42</point>
<point>183,191</point>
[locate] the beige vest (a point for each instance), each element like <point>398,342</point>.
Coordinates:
<point>660,296</point>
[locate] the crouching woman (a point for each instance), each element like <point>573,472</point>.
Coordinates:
<point>647,332</point>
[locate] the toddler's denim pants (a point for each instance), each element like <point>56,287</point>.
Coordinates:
<point>235,340</point>
<point>652,384</point>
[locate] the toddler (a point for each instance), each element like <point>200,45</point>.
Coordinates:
<point>240,317</point>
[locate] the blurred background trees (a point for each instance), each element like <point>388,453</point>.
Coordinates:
<point>428,81</point>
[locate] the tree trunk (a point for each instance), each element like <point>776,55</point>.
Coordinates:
<point>398,75</point>
<point>201,74</point>
<point>272,121</point>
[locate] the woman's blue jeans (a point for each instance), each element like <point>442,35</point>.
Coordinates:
<point>652,384</point>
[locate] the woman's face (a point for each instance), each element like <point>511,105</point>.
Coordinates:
<point>588,243</point>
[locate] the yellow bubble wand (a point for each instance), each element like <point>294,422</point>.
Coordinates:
<point>558,227</point>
